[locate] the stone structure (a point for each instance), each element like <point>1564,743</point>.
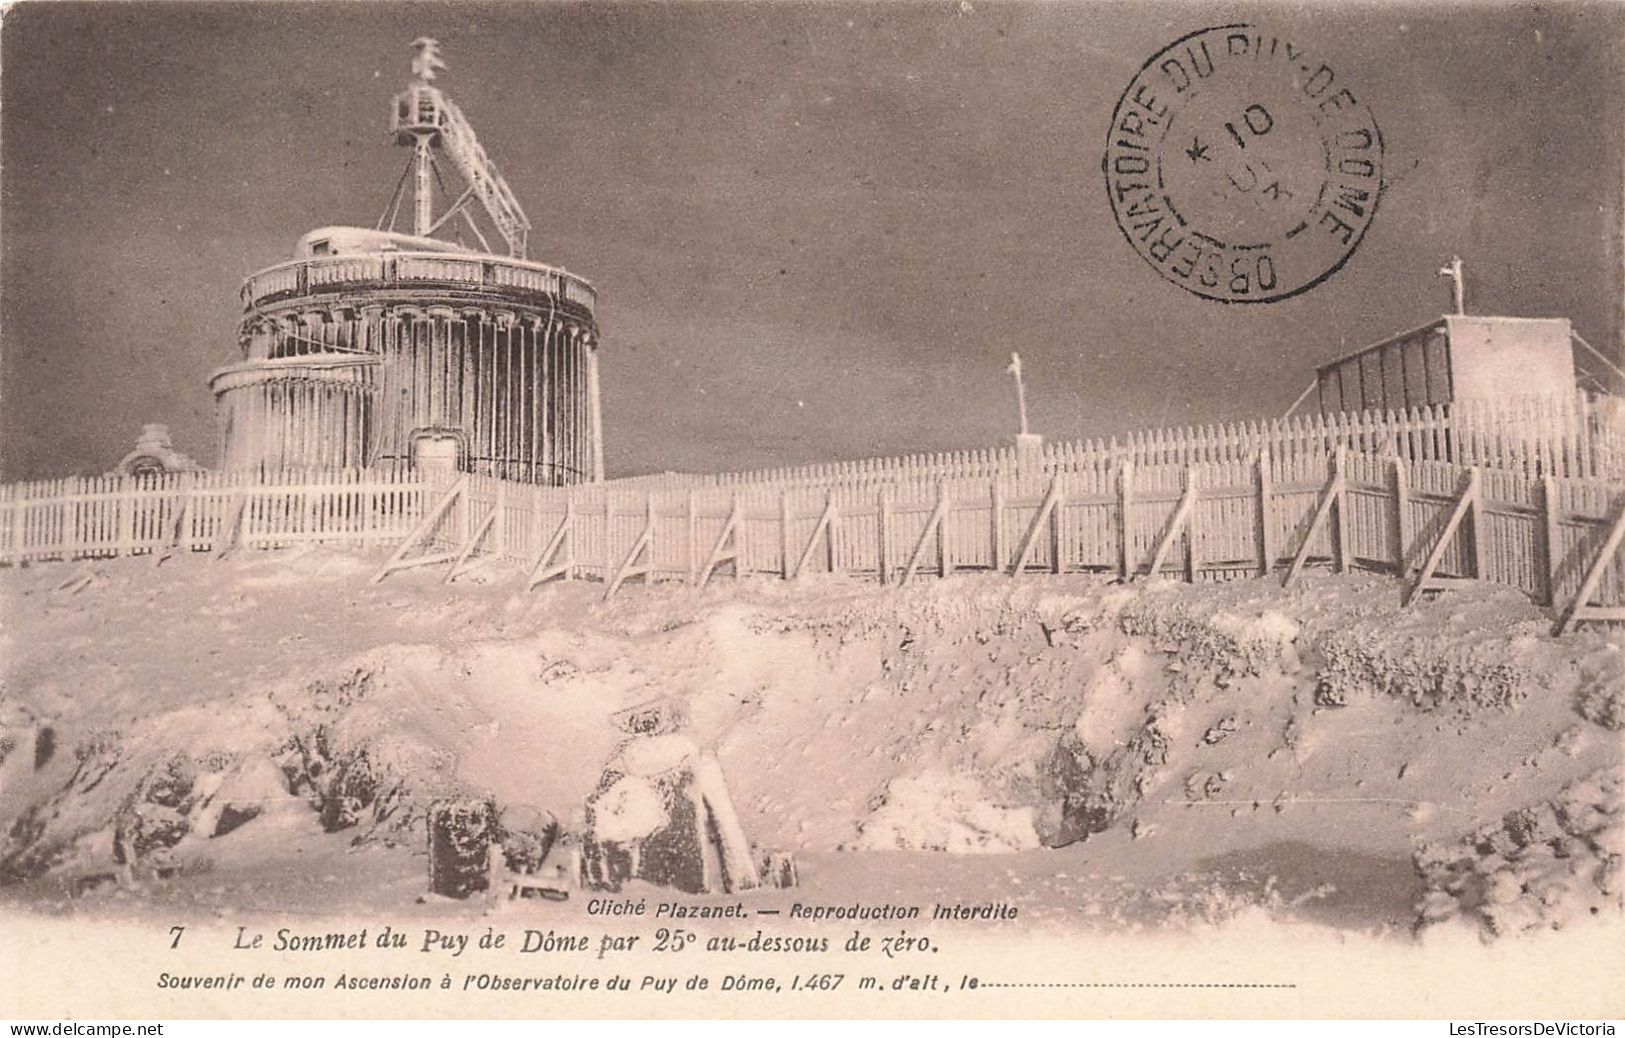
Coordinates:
<point>662,813</point>
<point>154,454</point>
<point>376,347</point>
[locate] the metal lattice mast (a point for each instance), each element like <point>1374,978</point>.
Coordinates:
<point>425,119</point>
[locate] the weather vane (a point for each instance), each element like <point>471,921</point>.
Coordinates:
<point>427,62</point>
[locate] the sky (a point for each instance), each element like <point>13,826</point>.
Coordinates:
<point>817,229</point>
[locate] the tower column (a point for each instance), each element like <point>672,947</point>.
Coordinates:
<point>595,414</point>
<point>371,338</point>
<point>546,336</point>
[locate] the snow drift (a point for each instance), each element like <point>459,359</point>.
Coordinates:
<point>154,717</point>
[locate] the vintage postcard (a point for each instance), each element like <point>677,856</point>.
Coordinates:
<point>812,509</point>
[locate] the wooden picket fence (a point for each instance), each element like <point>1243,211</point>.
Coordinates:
<point>1580,436</point>
<point>206,511</point>
<point>1432,522</point>
<point>1530,498</point>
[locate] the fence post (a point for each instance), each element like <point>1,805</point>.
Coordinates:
<point>831,531</point>
<point>570,532</point>
<point>1190,525</point>
<point>1266,525</point>
<point>883,533</point>
<point>308,517</point>
<point>945,564</point>
<point>1125,497</point>
<point>27,521</point>
<point>785,565</point>
<point>183,540</point>
<point>649,512</point>
<point>995,522</point>
<point>1475,514</point>
<point>606,547</point>
<point>1552,534</point>
<point>367,500</point>
<point>1402,516</point>
<point>70,523</point>
<point>741,538</point>
<point>500,508</point>
<point>1343,524</point>
<point>1056,511</point>
<point>11,546</point>
<point>128,487</point>
<point>532,524</point>
<point>693,537</point>
<point>1585,449</point>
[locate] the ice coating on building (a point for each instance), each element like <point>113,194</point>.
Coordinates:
<point>373,346</point>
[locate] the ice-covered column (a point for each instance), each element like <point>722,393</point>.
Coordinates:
<point>504,322</point>
<point>371,336</point>
<point>594,414</point>
<point>530,365</point>
<point>442,379</point>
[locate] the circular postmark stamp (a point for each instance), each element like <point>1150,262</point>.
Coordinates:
<point>1240,167</point>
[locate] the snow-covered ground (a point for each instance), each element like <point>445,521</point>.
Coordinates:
<point>266,730</point>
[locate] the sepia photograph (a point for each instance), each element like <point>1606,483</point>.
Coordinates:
<point>822,509</point>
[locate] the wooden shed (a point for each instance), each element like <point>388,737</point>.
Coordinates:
<point>1456,357</point>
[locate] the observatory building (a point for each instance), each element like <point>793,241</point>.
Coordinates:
<point>1459,357</point>
<point>376,347</point>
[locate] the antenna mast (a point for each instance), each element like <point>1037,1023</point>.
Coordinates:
<point>425,120</point>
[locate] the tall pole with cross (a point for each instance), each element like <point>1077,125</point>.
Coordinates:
<point>1026,442</point>
<point>1458,285</point>
<point>1021,390</point>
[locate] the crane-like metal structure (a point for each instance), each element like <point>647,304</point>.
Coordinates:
<point>425,120</point>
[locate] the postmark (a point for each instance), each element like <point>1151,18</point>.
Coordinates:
<point>1241,167</point>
